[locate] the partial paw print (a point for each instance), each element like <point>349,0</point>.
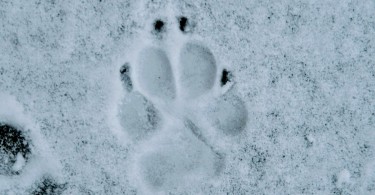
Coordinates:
<point>177,97</point>
<point>15,150</point>
<point>25,165</point>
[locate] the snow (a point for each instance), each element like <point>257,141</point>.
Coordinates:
<point>297,116</point>
<point>343,177</point>
<point>20,162</point>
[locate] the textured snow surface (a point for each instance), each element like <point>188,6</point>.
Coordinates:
<point>187,97</point>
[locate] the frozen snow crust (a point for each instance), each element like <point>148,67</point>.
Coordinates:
<point>80,92</point>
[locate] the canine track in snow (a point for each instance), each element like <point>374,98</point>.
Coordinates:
<point>162,95</point>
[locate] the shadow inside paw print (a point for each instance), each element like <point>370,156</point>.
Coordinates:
<point>173,160</point>
<point>154,73</point>
<point>197,69</point>
<point>14,150</point>
<point>138,116</point>
<point>162,170</point>
<point>161,96</point>
<point>227,114</point>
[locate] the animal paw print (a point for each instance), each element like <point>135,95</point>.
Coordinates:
<point>25,165</point>
<point>175,99</point>
<point>14,150</point>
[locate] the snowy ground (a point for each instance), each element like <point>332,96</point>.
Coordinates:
<point>187,97</point>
